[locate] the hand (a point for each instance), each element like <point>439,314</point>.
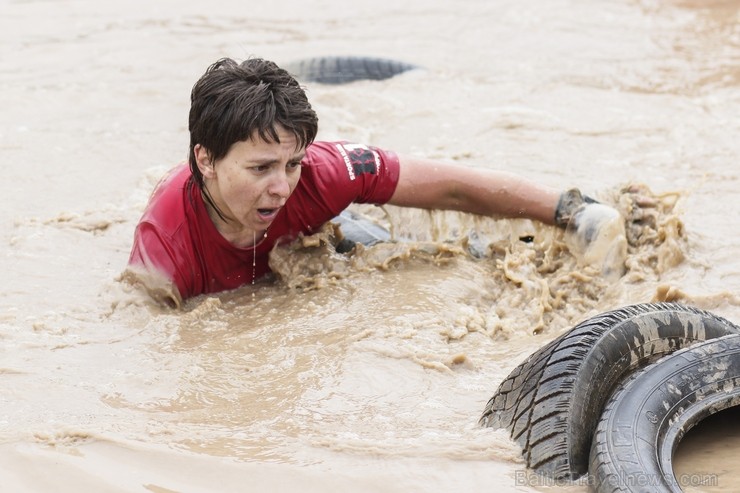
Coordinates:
<point>570,201</point>
<point>595,233</point>
<point>596,236</point>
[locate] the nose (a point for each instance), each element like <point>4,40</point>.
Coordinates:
<point>279,185</point>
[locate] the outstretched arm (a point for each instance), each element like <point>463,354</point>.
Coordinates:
<point>430,184</point>
<point>596,231</point>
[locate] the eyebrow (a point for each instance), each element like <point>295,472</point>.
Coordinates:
<point>270,160</point>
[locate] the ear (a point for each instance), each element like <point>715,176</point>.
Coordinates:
<point>204,161</point>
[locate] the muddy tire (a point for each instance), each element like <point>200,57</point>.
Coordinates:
<point>551,403</point>
<point>344,69</point>
<point>650,412</point>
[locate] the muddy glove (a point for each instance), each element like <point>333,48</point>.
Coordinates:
<point>569,203</point>
<point>594,232</point>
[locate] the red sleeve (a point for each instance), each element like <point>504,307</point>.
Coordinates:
<point>343,173</point>
<point>156,254</point>
<point>162,243</point>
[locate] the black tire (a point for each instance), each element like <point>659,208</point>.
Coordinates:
<point>551,403</point>
<point>344,69</point>
<point>649,413</point>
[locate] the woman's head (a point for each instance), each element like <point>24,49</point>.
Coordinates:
<point>233,102</point>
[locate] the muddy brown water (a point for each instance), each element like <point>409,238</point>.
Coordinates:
<point>366,373</point>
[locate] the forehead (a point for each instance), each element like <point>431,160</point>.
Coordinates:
<point>286,140</point>
<point>257,148</point>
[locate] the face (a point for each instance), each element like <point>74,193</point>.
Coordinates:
<point>251,183</point>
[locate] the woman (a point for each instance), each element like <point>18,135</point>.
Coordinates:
<point>256,178</point>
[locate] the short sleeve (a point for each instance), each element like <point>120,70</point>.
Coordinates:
<point>157,255</point>
<point>342,173</point>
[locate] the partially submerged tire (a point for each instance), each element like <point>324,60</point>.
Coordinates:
<point>344,69</point>
<point>643,423</point>
<point>551,403</point>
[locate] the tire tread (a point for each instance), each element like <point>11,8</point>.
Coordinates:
<point>345,69</point>
<point>534,403</point>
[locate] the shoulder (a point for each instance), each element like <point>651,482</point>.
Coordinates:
<point>349,161</point>
<point>167,203</point>
<point>162,239</point>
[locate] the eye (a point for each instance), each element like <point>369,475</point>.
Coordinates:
<point>294,164</point>
<point>261,168</point>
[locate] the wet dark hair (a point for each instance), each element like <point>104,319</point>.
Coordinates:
<point>233,101</point>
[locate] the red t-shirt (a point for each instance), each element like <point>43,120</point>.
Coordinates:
<point>177,238</point>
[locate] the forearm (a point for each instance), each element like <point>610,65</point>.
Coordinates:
<point>431,184</point>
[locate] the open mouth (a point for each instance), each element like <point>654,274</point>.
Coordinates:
<point>267,214</point>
